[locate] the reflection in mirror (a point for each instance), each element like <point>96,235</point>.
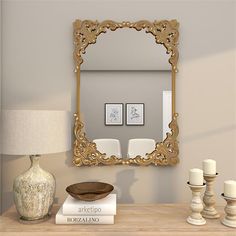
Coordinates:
<point>129,68</point>
<point>140,146</point>
<point>109,146</point>
<point>126,49</point>
<point>149,87</point>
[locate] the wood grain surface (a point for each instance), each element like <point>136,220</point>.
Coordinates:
<point>133,219</point>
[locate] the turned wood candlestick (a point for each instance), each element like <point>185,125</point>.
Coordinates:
<point>196,205</point>
<point>209,210</point>
<point>230,210</point>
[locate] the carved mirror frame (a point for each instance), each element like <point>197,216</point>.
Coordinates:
<point>166,33</point>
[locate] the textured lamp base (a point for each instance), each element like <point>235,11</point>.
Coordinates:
<point>230,210</point>
<point>209,210</point>
<point>24,220</point>
<point>196,206</point>
<point>34,193</point>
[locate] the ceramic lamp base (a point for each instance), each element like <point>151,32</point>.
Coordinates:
<point>23,220</point>
<point>34,193</point>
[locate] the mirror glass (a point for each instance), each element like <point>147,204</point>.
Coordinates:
<point>126,89</point>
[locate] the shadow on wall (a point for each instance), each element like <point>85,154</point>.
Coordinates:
<point>165,184</point>
<point>122,185</point>
<point>69,159</point>
<point>124,181</point>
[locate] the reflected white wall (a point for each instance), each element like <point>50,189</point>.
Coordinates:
<point>167,111</point>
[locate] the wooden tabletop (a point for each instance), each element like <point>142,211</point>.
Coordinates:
<point>133,219</point>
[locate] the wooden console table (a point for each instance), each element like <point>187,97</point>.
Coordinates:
<point>134,219</point>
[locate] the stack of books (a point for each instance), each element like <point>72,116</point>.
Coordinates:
<point>74,211</point>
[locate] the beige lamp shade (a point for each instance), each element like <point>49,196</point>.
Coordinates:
<point>31,132</point>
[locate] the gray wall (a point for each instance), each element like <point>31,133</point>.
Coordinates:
<point>98,88</point>
<point>38,74</point>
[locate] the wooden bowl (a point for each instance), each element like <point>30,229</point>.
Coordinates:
<point>89,191</point>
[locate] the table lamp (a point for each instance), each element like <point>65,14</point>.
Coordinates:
<point>34,133</point>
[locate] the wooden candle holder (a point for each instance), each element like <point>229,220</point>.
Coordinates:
<point>209,210</point>
<point>196,205</point>
<point>230,210</point>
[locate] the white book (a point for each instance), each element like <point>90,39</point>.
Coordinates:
<point>104,206</point>
<point>88,219</point>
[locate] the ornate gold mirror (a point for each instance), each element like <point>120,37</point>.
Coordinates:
<point>166,150</point>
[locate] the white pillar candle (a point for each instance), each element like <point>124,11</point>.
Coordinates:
<point>230,188</point>
<point>209,167</point>
<point>196,176</point>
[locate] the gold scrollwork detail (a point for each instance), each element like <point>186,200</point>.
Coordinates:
<point>165,33</point>
<point>165,153</point>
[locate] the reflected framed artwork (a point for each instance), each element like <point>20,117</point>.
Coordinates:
<point>114,114</point>
<point>135,114</point>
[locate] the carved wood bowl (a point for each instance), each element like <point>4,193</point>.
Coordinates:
<point>89,191</point>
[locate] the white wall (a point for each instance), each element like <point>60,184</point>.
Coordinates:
<point>38,74</point>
